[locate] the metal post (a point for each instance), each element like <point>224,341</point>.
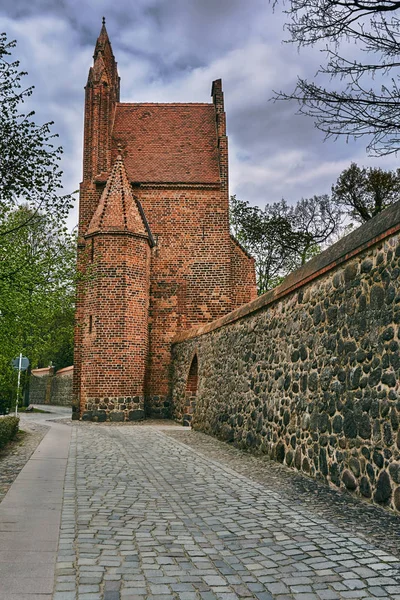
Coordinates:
<point>19,380</point>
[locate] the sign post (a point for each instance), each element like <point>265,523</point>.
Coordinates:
<point>19,381</point>
<point>21,363</point>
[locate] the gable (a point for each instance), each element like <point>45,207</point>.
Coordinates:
<point>168,143</point>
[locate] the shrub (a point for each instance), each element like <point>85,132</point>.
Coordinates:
<point>8,429</point>
<point>4,405</point>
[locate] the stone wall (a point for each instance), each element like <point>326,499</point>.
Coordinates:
<point>61,390</point>
<point>40,385</point>
<point>309,372</point>
<point>47,388</point>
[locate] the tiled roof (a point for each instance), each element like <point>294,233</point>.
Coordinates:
<point>65,371</point>
<point>117,209</point>
<point>168,143</point>
<point>42,371</point>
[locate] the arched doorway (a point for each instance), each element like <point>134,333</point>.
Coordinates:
<point>191,392</point>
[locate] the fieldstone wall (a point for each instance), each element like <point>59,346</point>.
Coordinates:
<point>120,409</point>
<point>40,385</point>
<point>47,388</point>
<point>61,389</point>
<point>309,373</point>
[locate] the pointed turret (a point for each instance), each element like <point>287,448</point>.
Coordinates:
<point>115,307</point>
<point>103,39</point>
<point>118,210</point>
<point>104,65</point>
<point>102,94</point>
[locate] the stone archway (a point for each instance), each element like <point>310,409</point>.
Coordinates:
<point>191,391</point>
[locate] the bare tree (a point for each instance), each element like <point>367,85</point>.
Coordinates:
<point>365,100</point>
<point>315,220</point>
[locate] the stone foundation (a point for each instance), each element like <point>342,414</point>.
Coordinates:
<point>133,408</point>
<point>114,409</point>
<point>158,407</point>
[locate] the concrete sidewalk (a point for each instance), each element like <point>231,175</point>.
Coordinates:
<point>30,518</point>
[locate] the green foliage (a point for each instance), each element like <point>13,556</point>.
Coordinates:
<point>366,192</point>
<point>281,237</point>
<point>29,166</point>
<point>37,254</point>
<point>8,429</point>
<point>37,277</point>
<point>5,403</point>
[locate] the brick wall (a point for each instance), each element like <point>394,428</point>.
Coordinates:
<point>114,338</point>
<point>190,279</point>
<point>243,275</point>
<point>132,302</point>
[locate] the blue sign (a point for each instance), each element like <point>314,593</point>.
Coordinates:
<point>24,363</point>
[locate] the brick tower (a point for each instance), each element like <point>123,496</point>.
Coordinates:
<point>154,241</point>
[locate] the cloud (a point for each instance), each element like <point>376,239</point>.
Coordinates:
<point>170,51</point>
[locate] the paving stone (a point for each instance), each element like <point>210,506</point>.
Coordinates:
<point>64,596</point>
<point>151,518</point>
<point>328,595</point>
<point>111,595</point>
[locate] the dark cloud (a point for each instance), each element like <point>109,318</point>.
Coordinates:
<point>171,50</point>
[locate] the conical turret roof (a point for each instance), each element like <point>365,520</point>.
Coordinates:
<point>118,210</point>
<point>103,39</point>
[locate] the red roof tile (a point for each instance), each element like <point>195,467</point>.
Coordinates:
<point>168,143</point>
<point>117,209</point>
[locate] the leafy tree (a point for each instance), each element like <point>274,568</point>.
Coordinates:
<point>29,165</point>
<point>37,255</point>
<point>281,237</point>
<point>366,192</point>
<point>264,234</point>
<point>362,48</point>
<point>36,293</point>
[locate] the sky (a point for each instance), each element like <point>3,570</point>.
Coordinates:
<point>171,51</point>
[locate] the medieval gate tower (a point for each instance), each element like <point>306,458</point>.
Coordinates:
<point>154,241</point>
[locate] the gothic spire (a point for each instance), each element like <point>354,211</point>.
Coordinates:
<point>104,64</point>
<point>103,40</point>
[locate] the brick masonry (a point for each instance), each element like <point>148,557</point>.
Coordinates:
<point>309,372</point>
<point>154,242</point>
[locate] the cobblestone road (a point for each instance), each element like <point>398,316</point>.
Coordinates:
<point>146,516</point>
<point>371,522</point>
